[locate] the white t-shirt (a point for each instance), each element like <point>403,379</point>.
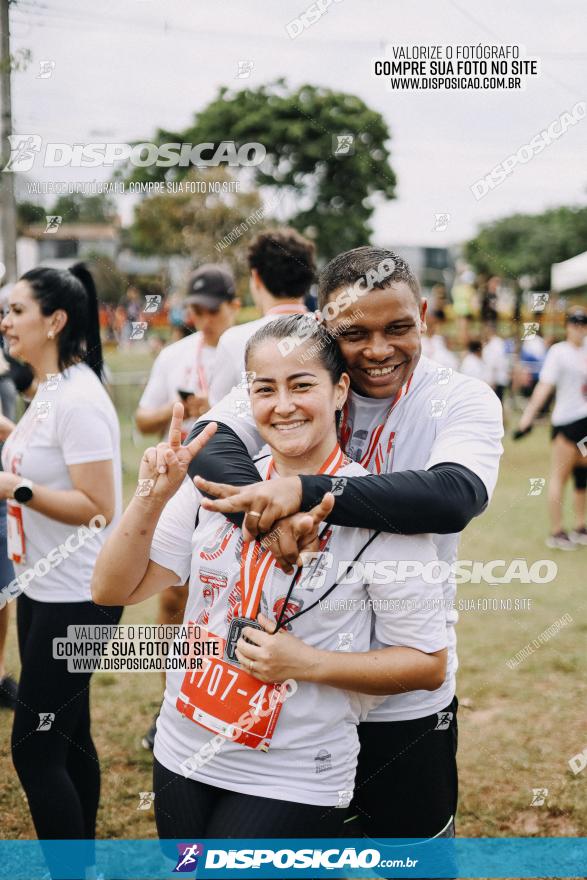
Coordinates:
<point>313,753</point>
<point>186,365</point>
<point>435,347</point>
<point>474,367</point>
<point>70,420</point>
<point>496,360</point>
<point>229,363</point>
<point>444,417</point>
<point>565,367</point>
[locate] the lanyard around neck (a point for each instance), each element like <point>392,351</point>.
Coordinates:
<point>256,563</point>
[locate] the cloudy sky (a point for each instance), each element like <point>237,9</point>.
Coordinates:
<point>125,67</point>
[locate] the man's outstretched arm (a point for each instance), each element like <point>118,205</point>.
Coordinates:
<point>443,499</point>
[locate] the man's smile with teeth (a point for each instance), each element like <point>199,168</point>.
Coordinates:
<point>381,371</point>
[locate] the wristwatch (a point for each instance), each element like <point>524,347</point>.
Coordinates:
<point>23,491</point>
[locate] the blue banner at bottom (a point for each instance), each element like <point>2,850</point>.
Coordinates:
<point>554,857</point>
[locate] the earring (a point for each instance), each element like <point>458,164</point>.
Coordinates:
<point>50,334</point>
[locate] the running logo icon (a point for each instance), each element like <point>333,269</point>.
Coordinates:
<point>187,861</point>
<point>53,222</point>
<point>23,149</point>
<point>444,719</point>
<point>46,720</point>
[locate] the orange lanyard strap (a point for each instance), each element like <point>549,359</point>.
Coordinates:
<point>287,309</point>
<point>374,447</point>
<point>200,372</point>
<point>256,563</point>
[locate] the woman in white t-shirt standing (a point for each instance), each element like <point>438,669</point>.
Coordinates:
<point>62,483</point>
<point>564,372</point>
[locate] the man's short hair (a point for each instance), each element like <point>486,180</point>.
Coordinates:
<point>285,261</point>
<point>362,263</point>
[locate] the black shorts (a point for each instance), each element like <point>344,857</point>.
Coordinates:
<point>580,477</point>
<point>573,431</point>
<point>407,783</point>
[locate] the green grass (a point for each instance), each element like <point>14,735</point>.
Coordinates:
<point>517,728</point>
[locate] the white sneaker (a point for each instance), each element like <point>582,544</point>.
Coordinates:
<point>579,536</point>
<point>560,541</point>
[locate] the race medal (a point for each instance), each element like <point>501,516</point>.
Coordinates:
<point>231,702</point>
<point>15,533</point>
<point>237,624</point>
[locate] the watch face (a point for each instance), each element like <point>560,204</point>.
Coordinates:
<point>22,494</point>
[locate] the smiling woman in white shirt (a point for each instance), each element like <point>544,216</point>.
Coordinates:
<point>235,754</point>
<point>62,482</point>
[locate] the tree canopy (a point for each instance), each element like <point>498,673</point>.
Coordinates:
<point>334,193</point>
<point>207,226</point>
<point>528,244</point>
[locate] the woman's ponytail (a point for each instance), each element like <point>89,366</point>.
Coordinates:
<point>93,349</point>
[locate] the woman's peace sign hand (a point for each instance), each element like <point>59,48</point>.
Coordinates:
<point>163,467</point>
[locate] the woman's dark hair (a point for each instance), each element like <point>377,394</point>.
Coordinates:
<point>308,335</point>
<point>74,291</point>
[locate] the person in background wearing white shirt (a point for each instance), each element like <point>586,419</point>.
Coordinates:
<point>295,777</point>
<point>496,359</point>
<point>564,373</point>
<point>183,371</point>
<point>282,267</point>
<point>434,344</point>
<point>62,481</point>
<point>472,364</point>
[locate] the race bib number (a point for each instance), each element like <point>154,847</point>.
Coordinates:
<point>15,533</point>
<point>231,702</point>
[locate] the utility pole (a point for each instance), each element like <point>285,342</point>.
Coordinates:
<point>7,202</point>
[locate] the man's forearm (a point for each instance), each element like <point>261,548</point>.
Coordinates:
<point>442,500</point>
<point>153,421</point>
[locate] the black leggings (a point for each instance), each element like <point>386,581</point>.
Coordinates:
<point>57,766</point>
<point>192,810</point>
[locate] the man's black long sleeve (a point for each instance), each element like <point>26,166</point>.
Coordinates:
<point>441,500</point>
<point>224,459</point>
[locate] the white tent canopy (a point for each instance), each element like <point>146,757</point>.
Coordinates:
<point>569,274</point>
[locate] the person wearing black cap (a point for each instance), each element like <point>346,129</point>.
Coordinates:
<point>182,372</point>
<point>564,373</point>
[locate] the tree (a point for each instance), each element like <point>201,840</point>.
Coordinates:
<point>528,244</point>
<point>78,208</point>
<point>299,131</point>
<point>27,213</point>
<point>110,283</point>
<point>207,226</point>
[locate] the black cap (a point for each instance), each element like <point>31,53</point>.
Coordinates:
<point>210,286</point>
<point>577,315</point>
